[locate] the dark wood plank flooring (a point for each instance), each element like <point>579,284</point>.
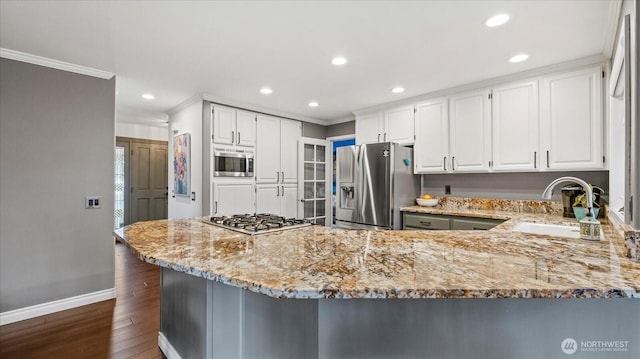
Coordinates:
<point>126,327</point>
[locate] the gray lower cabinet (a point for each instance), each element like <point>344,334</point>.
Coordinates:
<point>444,222</point>
<point>421,221</point>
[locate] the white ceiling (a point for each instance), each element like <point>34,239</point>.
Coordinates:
<point>177,49</point>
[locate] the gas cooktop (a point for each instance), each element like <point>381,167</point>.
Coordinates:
<point>257,223</point>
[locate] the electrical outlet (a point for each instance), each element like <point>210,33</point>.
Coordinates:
<point>93,202</point>
<point>447,189</point>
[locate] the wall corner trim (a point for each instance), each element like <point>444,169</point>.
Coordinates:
<point>55,64</point>
<point>167,348</point>
<point>37,310</point>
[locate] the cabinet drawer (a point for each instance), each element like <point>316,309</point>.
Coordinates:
<point>474,224</point>
<point>417,221</point>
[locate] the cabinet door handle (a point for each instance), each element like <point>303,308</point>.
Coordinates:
<point>215,210</point>
<point>282,191</point>
<point>282,176</point>
<point>445,163</point>
<point>385,137</point>
<point>238,137</point>
<point>547,159</point>
<point>425,223</point>
<point>233,136</point>
<point>278,191</point>
<point>278,177</point>
<point>453,163</point>
<point>535,159</point>
<point>378,137</point>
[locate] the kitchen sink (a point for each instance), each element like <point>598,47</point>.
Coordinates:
<point>549,229</point>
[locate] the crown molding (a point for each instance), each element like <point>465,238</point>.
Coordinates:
<point>598,59</point>
<point>184,104</point>
<point>264,110</point>
<point>611,27</point>
<point>54,64</point>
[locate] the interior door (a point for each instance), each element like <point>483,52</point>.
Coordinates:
<point>149,191</point>
<point>313,180</point>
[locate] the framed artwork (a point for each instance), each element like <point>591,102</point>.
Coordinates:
<point>181,164</point>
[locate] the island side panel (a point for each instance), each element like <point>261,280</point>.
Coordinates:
<point>279,328</point>
<point>183,312</point>
<point>475,328</point>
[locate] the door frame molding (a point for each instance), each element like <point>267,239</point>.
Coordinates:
<point>128,144</point>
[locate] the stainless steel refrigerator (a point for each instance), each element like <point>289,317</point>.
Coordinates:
<point>373,181</point>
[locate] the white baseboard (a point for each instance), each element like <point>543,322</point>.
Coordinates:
<point>166,347</point>
<point>37,310</point>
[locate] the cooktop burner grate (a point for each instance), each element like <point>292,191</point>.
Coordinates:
<point>257,223</point>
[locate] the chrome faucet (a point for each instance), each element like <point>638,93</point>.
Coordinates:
<point>589,226</point>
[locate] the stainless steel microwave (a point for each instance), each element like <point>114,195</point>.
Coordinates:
<point>232,164</point>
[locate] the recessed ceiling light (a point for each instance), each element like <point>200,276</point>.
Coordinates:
<point>397,90</point>
<point>519,58</point>
<point>266,90</point>
<point>497,20</point>
<point>339,61</point>
<point>313,104</point>
<point>148,96</point>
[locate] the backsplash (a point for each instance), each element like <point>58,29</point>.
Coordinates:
<point>504,205</point>
<point>522,185</point>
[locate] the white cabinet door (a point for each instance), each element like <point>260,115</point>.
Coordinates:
<point>571,120</point>
<point>290,132</point>
<point>289,200</point>
<point>470,131</point>
<point>399,125</point>
<point>515,127</point>
<point>369,128</point>
<point>233,198</point>
<point>431,149</point>
<point>223,125</point>
<point>278,199</point>
<point>245,128</point>
<point>268,198</point>
<point>267,162</point>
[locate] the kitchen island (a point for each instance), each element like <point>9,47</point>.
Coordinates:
<point>318,292</point>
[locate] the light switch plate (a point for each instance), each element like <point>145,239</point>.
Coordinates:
<point>93,202</point>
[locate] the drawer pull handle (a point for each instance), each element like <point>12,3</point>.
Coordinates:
<point>425,223</point>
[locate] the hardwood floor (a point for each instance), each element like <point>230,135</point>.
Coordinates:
<point>126,327</point>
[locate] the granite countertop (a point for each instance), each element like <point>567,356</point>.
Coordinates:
<point>321,262</point>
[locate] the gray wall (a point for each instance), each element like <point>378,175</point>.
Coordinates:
<point>341,129</point>
<point>314,130</point>
<point>56,147</point>
<point>505,185</point>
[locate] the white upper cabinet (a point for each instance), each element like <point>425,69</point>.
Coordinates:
<point>267,162</point>
<point>233,127</point>
<point>571,120</point>
<point>470,131</point>
<point>515,127</point>
<point>223,125</point>
<point>399,125</point>
<point>395,125</point>
<point>431,149</point>
<point>245,128</point>
<point>290,133</point>
<point>369,128</point>
<point>277,150</point>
